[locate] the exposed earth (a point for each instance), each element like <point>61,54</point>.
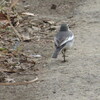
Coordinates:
<point>76,79</point>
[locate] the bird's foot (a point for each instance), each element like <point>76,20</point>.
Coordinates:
<point>64,61</point>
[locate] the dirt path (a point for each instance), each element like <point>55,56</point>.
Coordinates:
<point>77,79</point>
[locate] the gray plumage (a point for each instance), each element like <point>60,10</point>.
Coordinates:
<point>63,39</point>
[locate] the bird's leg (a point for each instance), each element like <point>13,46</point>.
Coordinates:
<point>64,56</point>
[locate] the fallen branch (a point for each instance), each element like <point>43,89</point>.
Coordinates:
<point>7,71</point>
<point>20,83</point>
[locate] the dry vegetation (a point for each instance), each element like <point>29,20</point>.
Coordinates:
<point>12,57</point>
<point>17,29</point>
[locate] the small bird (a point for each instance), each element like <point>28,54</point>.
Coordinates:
<point>63,41</point>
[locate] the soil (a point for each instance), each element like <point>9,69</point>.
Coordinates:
<point>76,79</point>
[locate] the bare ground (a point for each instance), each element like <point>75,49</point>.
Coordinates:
<point>77,79</point>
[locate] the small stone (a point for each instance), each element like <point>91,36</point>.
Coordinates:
<point>53,6</point>
<point>54,92</point>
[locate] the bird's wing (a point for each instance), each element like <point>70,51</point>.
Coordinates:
<point>67,39</point>
<point>55,41</point>
<point>60,42</point>
<point>63,38</point>
<point>64,41</point>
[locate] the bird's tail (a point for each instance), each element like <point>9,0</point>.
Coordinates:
<point>55,54</point>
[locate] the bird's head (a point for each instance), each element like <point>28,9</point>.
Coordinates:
<point>64,27</point>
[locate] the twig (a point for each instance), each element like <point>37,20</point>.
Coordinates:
<point>16,32</point>
<point>13,3</point>
<point>20,83</point>
<point>2,2</point>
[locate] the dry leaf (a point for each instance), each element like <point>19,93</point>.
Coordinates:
<point>3,16</point>
<point>9,80</point>
<point>26,37</point>
<point>28,13</point>
<point>36,56</point>
<point>3,20</point>
<point>13,3</point>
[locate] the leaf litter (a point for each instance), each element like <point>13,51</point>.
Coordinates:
<point>16,30</point>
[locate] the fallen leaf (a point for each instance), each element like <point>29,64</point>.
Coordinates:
<point>3,16</point>
<point>9,80</point>
<point>3,20</point>
<point>26,37</point>
<point>36,56</point>
<point>51,22</point>
<point>28,13</point>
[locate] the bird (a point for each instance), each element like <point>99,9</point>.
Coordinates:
<point>63,41</point>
